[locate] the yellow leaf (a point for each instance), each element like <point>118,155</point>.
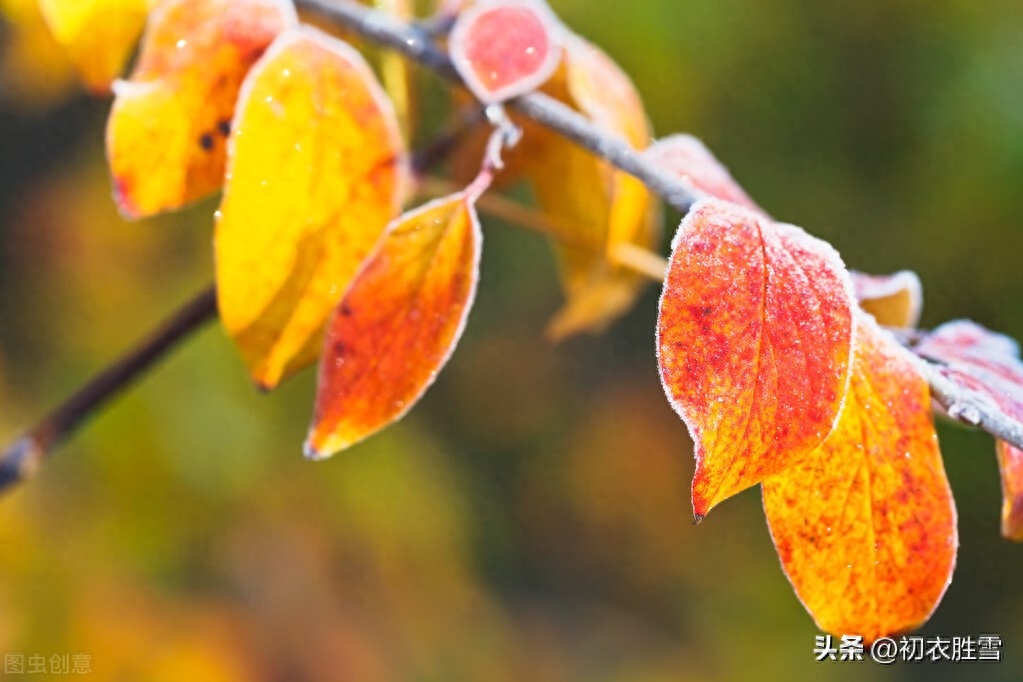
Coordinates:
<point>575,187</point>
<point>866,526</point>
<point>316,170</point>
<point>166,137</point>
<point>894,300</point>
<point>98,35</point>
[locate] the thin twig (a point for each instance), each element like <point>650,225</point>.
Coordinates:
<point>22,459</point>
<point>386,30</point>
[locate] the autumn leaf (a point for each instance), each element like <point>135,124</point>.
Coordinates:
<point>894,300</point>
<point>168,129</point>
<point>1010,463</point>
<point>316,170</point>
<point>754,340</point>
<point>608,207</point>
<point>986,365</point>
<point>866,526</point>
<point>688,159</point>
<point>98,35</point>
<point>399,322</point>
<point>505,48</point>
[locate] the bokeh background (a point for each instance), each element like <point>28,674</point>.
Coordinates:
<point>529,520</point>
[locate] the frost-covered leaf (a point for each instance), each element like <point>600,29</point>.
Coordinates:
<point>167,132</point>
<point>316,171</point>
<point>866,526</point>
<point>398,323</point>
<point>986,365</point>
<point>754,342</point>
<point>894,300</point>
<point>605,206</point>
<point>505,48</point>
<point>98,35</point>
<point>688,158</point>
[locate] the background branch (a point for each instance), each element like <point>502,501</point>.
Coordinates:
<point>22,459</point>
<point>414,43</point>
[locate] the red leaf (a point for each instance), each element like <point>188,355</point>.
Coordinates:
<point>505,48</point>
<point>754,344</point>
<point>866,526</point>
<point>987,365</point>
<point>398,323</point>
<point>689,159</point>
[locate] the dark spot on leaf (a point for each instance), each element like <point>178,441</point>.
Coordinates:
<point>346,311</point>
<point>224,128</point>
<point>206,141</point>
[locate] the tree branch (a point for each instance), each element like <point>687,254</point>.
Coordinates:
<point>22,459</point>
<point>417,45</point>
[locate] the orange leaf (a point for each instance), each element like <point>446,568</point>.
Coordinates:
<point>689,159</point>
<point>167,133</point>
<point>315,172</point>
<point>894,300</point>
<point>1010,463</point>
<point>754,344</point>
<point>987,365</point>
<point>866,527</point>
<point>98,35</point>
<point>399,322</point>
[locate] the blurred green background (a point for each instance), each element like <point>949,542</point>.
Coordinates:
<point>530,519</point>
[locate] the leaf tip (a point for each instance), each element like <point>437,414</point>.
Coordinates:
<point>122,199</point>
<point>312,452</point>
<point>321,444</point>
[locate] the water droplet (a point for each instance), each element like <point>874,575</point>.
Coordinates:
<point>217,215</point>
<point>181,44</point>
<point>968,414</point>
